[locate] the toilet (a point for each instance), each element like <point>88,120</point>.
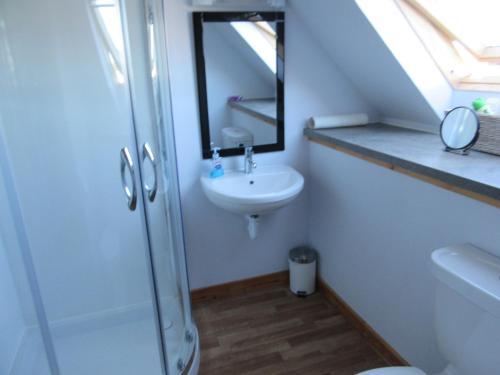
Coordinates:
<point>466,313</point>
<point>236,137</point>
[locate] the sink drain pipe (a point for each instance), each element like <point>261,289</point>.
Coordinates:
<point>253,225</point>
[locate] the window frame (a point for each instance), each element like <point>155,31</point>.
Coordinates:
<point>447,57</point>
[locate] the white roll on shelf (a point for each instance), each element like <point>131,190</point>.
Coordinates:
<point>338,121</point>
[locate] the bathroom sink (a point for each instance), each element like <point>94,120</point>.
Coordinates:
<point>265,189</point>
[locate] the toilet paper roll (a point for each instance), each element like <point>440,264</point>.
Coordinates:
<point>338,121</point>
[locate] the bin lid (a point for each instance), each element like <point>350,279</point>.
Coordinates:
<point>303,254</point>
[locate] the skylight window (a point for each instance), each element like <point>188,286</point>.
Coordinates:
<point>463,37</point>
<point>261,37</point>
<point>110,30</point>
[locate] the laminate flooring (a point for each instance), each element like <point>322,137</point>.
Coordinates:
<point>268,330</point>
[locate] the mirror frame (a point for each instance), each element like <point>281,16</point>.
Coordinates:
<point>472,142</point>
<point>198,19</point>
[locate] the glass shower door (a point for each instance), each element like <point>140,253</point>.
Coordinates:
<point>21,320</point>
<point>66,120</point>
<point>152,110</point>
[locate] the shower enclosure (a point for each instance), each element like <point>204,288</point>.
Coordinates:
<point>92,270</point>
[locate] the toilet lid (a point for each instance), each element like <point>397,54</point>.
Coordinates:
<point>394,371</point>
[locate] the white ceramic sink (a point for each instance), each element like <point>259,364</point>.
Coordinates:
<point>267,188</point>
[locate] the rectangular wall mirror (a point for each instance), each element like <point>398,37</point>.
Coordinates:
<point>240,68</point>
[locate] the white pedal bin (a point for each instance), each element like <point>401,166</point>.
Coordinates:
<point>302,264</point>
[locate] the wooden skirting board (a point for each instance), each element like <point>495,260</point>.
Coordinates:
<point>381,346</point>
<point>240,286</point>
<point>396,168</point>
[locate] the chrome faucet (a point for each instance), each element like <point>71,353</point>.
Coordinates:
<point>250,165</point>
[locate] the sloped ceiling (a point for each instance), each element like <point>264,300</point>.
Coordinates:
<point>247,54</point>
<point>360,53</point>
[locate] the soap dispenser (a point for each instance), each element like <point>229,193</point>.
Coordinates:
<point>217,169</point>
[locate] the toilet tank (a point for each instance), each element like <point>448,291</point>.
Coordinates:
<point>236,137</point>
<point>467,309</point>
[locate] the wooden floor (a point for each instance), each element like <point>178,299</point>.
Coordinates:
<point>271,331</point>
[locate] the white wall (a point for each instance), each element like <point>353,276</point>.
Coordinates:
<point>361,54</point>
<point>230,71</point>
<point>385,60</point>
<point>217,243</point>
<point>413,58</point>
<point>375,230</point>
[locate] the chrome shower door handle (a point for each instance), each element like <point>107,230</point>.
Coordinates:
<point>147,153</point>
<point>126,163</point>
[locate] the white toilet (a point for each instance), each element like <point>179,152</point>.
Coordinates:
<point>467,313</point>
<point>236,137</point>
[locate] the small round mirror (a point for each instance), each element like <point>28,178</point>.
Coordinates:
<point>460,129</point>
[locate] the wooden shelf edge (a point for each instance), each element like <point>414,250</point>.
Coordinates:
<point>396,168</point>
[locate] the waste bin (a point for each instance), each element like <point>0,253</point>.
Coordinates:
<point>302,263</point>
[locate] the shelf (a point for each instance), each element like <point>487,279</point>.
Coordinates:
<point>262,109</point>
<point>419,155</point>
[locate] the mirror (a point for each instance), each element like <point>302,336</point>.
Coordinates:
<point>239,61</point>
<point>460,129</point>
